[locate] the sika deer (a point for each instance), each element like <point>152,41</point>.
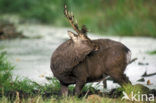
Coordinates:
<point>80,60</point>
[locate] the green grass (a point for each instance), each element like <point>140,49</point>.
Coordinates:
<point>5,70</point>
<point>105,17</point>
<point>152,52</point>
<point>128,88</point>
<point>9,87</point>
<point>136,90</point>
<point>39,99</point>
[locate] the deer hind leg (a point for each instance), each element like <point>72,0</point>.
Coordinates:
<point>105,81</point>
<point>122,79</point>
<point>105,84</point>
<point>126,79</point>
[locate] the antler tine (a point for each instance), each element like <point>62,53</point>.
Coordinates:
<point>70,18</point>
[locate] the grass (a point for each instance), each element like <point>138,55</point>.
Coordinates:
<point>39,99</point>
<point>5,70</point>
<point>138,88</point>
<point>105,17</point>
<point>90,99</point>
<point>26,87</point>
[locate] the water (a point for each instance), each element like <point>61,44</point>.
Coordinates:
<point>31,57</point>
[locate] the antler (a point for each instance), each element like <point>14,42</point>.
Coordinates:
<point>70,18</point>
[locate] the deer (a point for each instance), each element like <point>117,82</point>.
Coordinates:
<point>80,60</point>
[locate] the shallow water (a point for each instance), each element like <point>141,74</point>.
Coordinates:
<point>31,57</point>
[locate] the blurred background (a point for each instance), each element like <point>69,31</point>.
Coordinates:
<point>104,17</point>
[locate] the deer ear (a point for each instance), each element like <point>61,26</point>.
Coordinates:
<point>72,35</point>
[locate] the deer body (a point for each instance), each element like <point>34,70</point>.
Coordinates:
<point>80,60</point>
<point>111,59</point>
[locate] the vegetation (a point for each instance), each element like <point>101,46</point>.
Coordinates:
<point>138,88</point>
<point>108,17</point>
<point>25,87</point>
<point>39,99</point>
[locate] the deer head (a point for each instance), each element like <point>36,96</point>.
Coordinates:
<point>80,39</point>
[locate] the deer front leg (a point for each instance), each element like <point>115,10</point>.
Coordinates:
<point>64,90</point>
<point>81,78</point>
<point>78,87</point>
